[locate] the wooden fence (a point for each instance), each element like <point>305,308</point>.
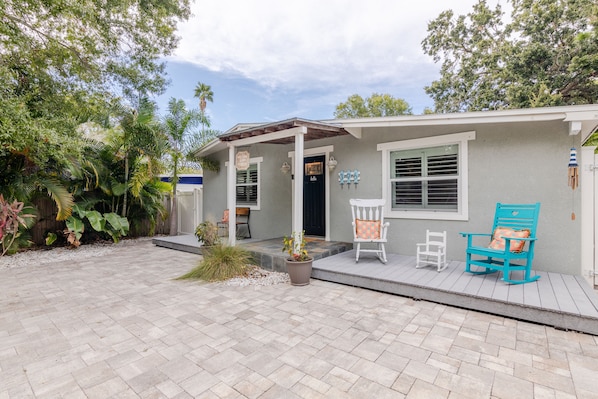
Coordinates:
<point>46,222</point>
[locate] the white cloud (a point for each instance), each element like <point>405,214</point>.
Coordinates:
<point>319,43</point>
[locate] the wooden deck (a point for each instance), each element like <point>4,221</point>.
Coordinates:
<point>563,301</point>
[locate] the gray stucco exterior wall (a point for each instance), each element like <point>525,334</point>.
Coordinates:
<point>508,162</point>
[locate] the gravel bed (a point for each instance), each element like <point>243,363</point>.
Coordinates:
<point>61,254</point>
<point>256,275</point>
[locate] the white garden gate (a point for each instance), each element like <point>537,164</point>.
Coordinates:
<point>189,210</point>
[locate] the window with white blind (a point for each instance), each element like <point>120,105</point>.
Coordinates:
<point>247,185</point>
<point>426,178</point>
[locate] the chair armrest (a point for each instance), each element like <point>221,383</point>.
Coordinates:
<point>475,234</point>
<point>519,238</point>
<point>383,229</point>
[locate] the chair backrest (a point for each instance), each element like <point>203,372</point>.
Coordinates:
<point>367,209</point>
<point>436,238</point>
<point>517,216</point>
<point>242,215</point>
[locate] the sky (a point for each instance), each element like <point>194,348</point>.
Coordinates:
<point>270,60</point>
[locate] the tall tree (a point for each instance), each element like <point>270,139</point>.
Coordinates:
<point>545,55</point>
<point>375,105</point>
<point>177,125</point>
<point>63,63</point>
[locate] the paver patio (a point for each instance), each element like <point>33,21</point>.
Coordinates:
<point>120,326</point>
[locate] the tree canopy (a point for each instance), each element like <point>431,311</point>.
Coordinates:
<point>65,63</point>
<point>546,54</point>
<point>375,105</point>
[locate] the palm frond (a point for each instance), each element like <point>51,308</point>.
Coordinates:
<point>60,195</point>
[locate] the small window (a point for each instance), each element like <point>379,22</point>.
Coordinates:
<point>248,185</point>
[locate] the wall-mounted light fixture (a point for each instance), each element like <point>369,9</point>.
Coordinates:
<point>285,168</point>
<point>331,163</point>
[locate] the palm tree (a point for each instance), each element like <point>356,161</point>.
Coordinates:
<point>177,125</point>
<point>139,141</point>
<point>204,93</point>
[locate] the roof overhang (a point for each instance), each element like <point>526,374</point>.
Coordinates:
<point>268,133</point>
<point>282,132</point>
<point>582,119</point>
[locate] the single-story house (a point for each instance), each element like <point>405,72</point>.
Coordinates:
<point>437,172</point>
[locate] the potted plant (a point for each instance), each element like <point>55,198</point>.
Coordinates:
<point>299,263</point>
<point>207,233</point>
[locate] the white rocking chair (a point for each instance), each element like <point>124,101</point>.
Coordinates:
<point>433,251</point>
<point>368,226</point>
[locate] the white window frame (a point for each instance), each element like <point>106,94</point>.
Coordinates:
<point>460,139</point>
<point>252,161</point>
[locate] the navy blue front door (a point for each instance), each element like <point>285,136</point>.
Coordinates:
<point>314,217</point>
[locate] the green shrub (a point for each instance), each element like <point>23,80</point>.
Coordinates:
<point>221,262</point>
<point>207,233</point>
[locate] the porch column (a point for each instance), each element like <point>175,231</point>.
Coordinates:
<point>298,185</point>
<point>231,200</point>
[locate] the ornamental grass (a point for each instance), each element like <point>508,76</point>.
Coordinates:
<point>220,262</point>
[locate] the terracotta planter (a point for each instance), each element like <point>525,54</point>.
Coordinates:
<point>299,272</point>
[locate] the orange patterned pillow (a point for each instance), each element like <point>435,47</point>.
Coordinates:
<point>498,243</point>
<point>225,216</point>
<point>367,229</point>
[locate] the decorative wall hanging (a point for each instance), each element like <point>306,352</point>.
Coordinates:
<point>573,169</point>
<point>242,160</point>
<point>573,177</point>
<point>348,177</point>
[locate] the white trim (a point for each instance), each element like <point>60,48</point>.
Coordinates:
<point>588,218</point>
<point>258,161</point>
<point>270,136</point>
<point>231,197</point>
<point>461,140</point>
<point>326,151</point>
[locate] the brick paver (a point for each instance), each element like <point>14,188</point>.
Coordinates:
<point>120,326</point>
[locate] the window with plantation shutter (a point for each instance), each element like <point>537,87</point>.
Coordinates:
<point>247,185</point>
<point>426,178</point>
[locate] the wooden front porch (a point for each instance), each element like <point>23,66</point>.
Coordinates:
<point>563,301</point>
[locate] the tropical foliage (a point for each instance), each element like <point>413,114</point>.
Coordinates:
<point>11,219</point>
<point>546,54</point>
<point>73,70</point>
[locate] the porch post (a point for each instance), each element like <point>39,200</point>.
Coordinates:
<point>298,186</point>
<point>231,201</point>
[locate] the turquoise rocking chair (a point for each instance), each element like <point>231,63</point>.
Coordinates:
<point>513,238</point>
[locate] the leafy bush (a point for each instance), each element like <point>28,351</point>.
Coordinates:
<point>11,219</point>
<point>109,224</point>
<point>219,263</point>
<point>207,233</point>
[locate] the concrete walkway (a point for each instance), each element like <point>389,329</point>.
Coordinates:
<point>120,326</point>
